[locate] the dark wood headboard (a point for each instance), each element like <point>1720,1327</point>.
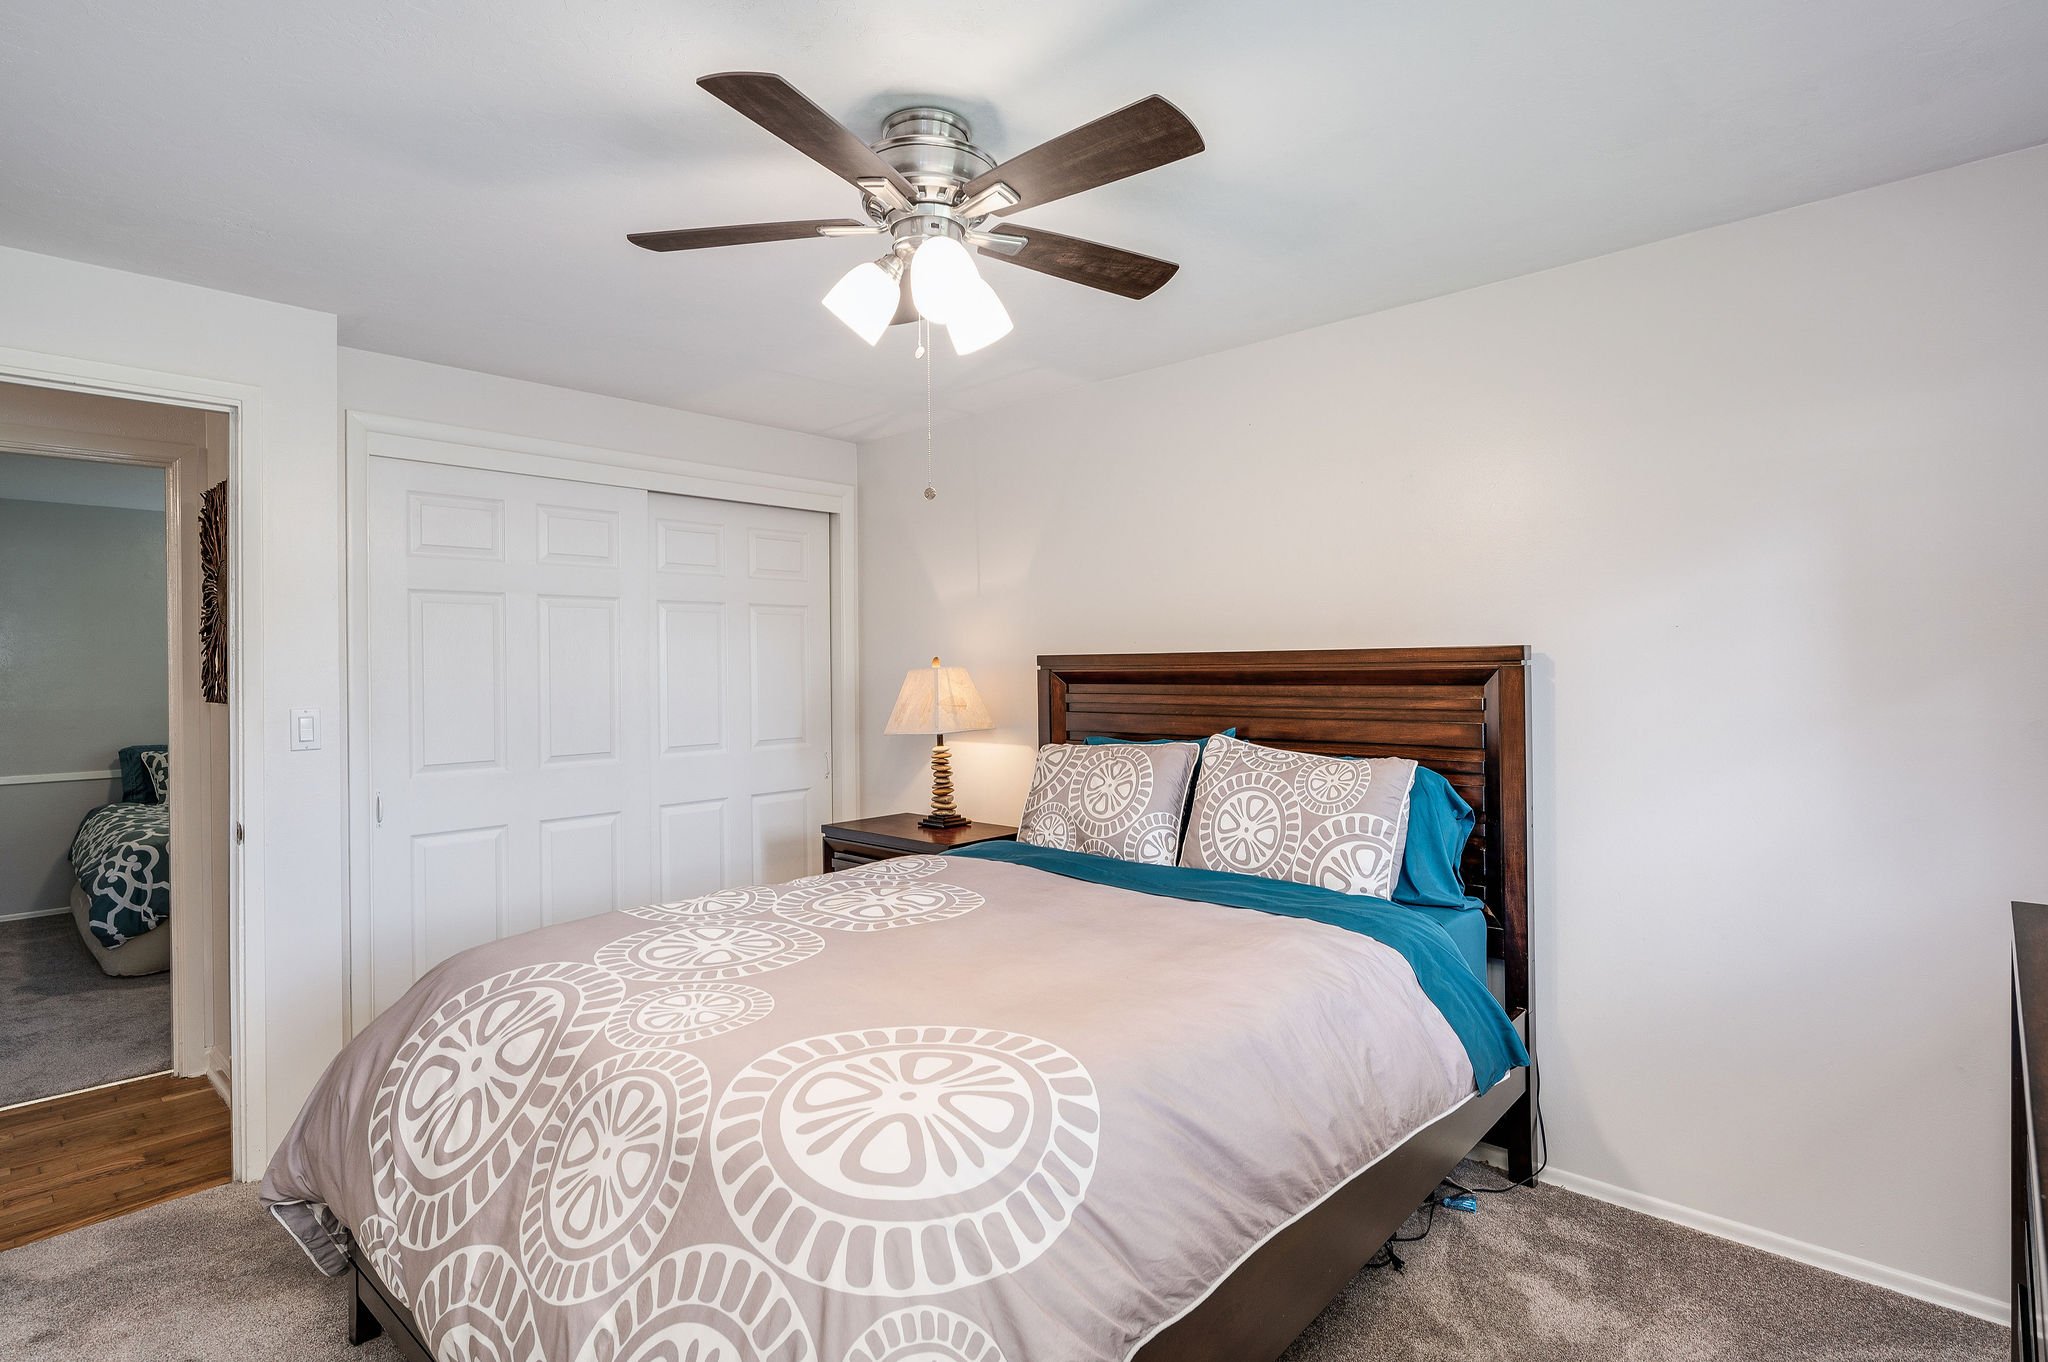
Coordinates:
<point>1463,712</point>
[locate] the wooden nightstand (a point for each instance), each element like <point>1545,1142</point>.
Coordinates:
<point>897,834</point>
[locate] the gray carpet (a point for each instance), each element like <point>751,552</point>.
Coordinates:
<point>68,1026</point>
<point>1546,1273</point>
<point>1541,1274</point>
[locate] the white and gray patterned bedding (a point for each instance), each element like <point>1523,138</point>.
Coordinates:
<point>936,1107</point>
<point>122,859</point>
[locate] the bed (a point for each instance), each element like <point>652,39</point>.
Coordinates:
<point>121,874</point>
<point>1012,1103</point>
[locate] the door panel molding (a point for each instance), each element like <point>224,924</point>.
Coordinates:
<point>700,725</point>
<point>435,627</point>
<point>576,539</point>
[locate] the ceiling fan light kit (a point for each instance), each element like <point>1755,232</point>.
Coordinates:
<point>981,321</point>
<point>941,276</point>
<point>866,296</point>
<point>935,195</point>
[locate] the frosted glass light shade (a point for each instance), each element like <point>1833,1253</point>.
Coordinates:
<point>979,319</point>
<point>942,279</point>
<point>937,700</point>
<point>865,299</point>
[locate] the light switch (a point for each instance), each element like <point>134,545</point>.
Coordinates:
<point>305,729</point>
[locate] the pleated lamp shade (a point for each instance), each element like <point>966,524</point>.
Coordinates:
<point>936,700</point>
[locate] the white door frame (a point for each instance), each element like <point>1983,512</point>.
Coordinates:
<point>242,405</point>
<point>369,435</point>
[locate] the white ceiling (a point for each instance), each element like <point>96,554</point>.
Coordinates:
<point>454,179</point>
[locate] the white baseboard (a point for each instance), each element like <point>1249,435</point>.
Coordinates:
<point>34,912</point>
<point>1770,1241</point>
<point>220,1073</point>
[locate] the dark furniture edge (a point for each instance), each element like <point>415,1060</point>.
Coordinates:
<point>1268,1299</point>
<point>1320,658</point>
<point>855,830</point>
<point>374,1310</point>
<point>2029,1127</point>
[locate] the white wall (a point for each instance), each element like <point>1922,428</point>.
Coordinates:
<point>64,318</point>
<point>1768,501</point>
<point>389,386</point>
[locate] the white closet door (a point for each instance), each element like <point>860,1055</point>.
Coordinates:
<point>510,715</point>
<point>742,681</point>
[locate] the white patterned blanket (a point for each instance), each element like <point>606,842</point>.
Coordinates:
<point>122,858</point>
<point>932,1108</point>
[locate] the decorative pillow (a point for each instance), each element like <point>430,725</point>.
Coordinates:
<point>1154,742</point>
<point>157,765</point>
<point>1299,816</point>
<point>134,780</point>
<point>1120,799</point>
<point>1440,822</point>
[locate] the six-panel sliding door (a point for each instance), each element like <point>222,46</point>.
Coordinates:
<point>581,697</point>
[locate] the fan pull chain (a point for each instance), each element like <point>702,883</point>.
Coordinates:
<point>924,347</point>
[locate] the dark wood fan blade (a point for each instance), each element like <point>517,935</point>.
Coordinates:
<point>1086,262</point>
<point>781,108</point>
<point>1137,138</point>
<point>743,234</point>
<point>906,310</point>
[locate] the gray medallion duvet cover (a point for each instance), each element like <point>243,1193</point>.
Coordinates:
<point>950,1109</point>
<point>121,857</point>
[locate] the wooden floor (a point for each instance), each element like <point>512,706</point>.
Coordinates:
<point>93,1155</point>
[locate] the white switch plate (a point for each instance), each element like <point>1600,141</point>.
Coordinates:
<point>305,730</point>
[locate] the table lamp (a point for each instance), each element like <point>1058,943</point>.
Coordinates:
<point>939,700</point>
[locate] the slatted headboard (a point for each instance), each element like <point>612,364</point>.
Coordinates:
<point>1461,711</point>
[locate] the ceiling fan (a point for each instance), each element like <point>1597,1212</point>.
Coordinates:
<point>934,194</point>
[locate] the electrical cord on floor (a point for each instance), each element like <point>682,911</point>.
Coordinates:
<point>1389,1257</point>
<point>1542,1138</point>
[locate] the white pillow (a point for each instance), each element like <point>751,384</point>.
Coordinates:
<point>1336,822</point>
<point>157,766</point>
